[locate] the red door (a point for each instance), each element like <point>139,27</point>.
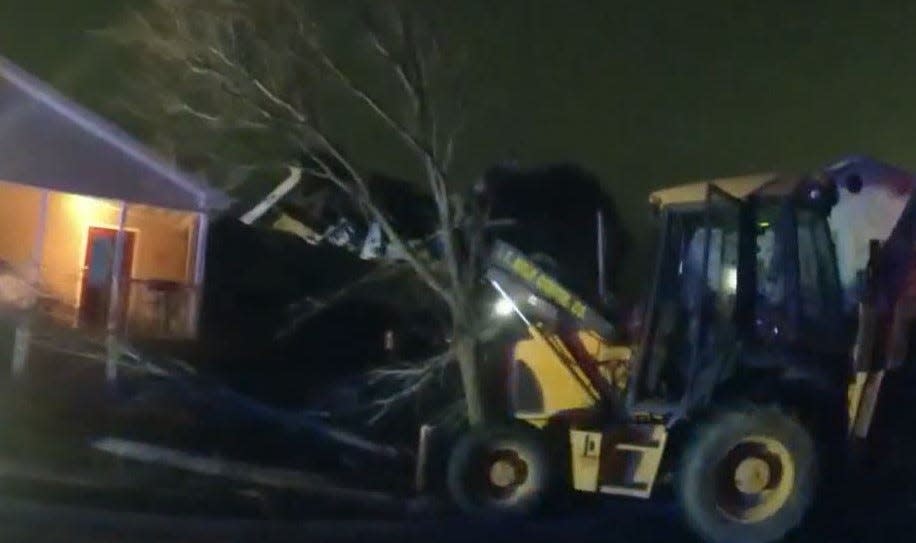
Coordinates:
<point>96,289</point>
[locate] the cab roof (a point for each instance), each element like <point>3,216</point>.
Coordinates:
<point>739,187</point>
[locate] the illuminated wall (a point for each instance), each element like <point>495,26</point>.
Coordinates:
<point>162,243</point>
<point>160,251</point>
<point>161,248</point>
<point>65,240</point>
<point>18,208</point>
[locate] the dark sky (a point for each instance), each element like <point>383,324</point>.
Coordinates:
<point>643,93</point>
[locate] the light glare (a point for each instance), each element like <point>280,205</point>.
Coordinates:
<point>503,307</point>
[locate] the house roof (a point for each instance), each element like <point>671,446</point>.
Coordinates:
<point>50,142</point>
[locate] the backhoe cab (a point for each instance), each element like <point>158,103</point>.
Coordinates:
<point>742,369</point>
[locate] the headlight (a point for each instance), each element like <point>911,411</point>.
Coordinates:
<point>731,280</point>
<point>503,307</point>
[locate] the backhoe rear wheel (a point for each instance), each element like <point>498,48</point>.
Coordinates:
<point>502,470</point>
<point>747,476</point>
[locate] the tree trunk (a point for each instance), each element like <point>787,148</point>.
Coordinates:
<point>466,353</point>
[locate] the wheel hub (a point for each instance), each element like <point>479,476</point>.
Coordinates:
<point>755,479</point>
<point>752,475</point>
<point>503,473</point>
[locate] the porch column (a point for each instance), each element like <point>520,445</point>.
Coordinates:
<point>33,276</point>
<point>200,263</point>
<point>114,302</point>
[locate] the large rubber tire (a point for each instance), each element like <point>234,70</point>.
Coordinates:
<point>471,470</point>
<point>727,461</point>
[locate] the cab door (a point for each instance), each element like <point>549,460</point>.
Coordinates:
<point>692,306</point>
<point>715,296</point>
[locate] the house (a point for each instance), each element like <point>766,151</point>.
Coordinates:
<point>112,237</point>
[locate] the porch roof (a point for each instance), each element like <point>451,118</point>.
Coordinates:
<point>50,142</point>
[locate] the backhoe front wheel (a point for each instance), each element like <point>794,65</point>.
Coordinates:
<point>503,470</point>
<point>747,476</point>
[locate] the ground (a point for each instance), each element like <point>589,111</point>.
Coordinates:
<point>864,519</point>
<point>161,506</point>
<point>167,507</point>
<point>25,521</point>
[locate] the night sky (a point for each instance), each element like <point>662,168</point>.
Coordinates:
<point>643,93</point>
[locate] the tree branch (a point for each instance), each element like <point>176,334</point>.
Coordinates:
<point>406,381</point>
<point>316,307</point>
<point>398,67</point>
<point>364,198</point>
<point>232,67</point>
<point>296,114</point>
<point>423,151</point>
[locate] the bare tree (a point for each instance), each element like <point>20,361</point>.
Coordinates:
<point>264,82</point>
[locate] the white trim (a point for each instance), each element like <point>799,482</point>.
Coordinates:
<point>200,267</point>
<point>190,254</point>
<point>284,188</point>
<point>23,329</point>
<point>201,249</point>
<point>114,298</point>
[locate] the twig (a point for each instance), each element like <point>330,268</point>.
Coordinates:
<point>315,309</point>
<point>407,381</point>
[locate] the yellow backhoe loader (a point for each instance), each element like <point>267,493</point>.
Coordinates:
<point>746,381</point>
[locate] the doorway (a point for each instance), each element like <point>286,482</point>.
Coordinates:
<point>95,295</point>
